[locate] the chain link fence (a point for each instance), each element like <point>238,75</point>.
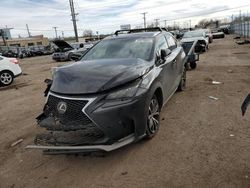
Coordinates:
<point>241,25</point>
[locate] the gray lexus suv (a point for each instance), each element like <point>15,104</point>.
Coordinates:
<point>114,94</point>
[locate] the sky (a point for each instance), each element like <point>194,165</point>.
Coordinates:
<point>106,16</point>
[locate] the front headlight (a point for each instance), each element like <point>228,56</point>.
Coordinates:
<point>126,92</point>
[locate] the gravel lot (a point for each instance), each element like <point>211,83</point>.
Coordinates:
<point>201,142</point>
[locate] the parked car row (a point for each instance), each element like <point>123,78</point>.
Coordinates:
<point>64,50</point>
<point>22,52</point>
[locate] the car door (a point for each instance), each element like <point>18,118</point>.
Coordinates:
<point>167,67</point>
<point>177,65</point>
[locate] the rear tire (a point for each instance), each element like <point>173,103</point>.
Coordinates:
<point>193,65</point>
<point>6,78</point>
<point>182,84</point>
<point>153,118</point>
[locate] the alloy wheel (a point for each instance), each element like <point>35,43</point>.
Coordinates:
<point>6,78</point>
<point>153,116</point>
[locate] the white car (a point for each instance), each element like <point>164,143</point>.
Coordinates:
<point>9,69</point>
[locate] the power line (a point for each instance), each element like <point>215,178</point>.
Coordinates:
<point>107,26</point>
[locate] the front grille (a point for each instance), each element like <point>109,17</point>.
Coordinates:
<point>71,138</point>
<point>73,127</point>
<point>73,115</point>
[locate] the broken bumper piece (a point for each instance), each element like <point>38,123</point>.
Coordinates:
<point>86,148</point>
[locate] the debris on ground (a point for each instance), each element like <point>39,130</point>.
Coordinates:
<point>231,135</point>
<point>16,142</point>
<point>124,173</point>
<point>237,37</point>
<point>230,71</point>
<point>242,42</point>
<point>214,98</point>
<point>216,83</point>
<point>245,104</point>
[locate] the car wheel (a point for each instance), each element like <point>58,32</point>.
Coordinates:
<point>153,119</point>
<point>6,78</point>
<point>182,84</point>
<point>70,55</point>
<point>193,65</point>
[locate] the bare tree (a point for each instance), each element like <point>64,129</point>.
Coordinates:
<point>87,33</point>
<point>151,25</point>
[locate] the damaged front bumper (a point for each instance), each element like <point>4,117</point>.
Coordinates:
<point>79,149</point>
<point>76,124</point>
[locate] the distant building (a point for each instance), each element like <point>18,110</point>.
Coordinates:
<point>26,42</point>
<point>6,32</point>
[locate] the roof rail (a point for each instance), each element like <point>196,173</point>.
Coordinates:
<point>150,29</point>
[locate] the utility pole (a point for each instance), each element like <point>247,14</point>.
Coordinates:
<point>62,35</point>
<point>144,18</point>
<point>156,22</point>
<point>3,37</point>
<point>240,24</point>
<point>28,30</point>
<point>190,24</point>
<point>165,21</point>
<point>55,31</point>
<point>73,14</point>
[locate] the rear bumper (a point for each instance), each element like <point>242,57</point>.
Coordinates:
<point>17,71</point>
<point>79,149</point>
<point>59,57</point>
<point>18,74</point>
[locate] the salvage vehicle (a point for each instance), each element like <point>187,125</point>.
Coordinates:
<point>200,37</point>
<point>218,33</point>
<point>114,95</point>
<point>64,50</point>
<point>9,69</point>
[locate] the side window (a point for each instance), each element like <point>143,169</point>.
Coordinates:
<point>161,44</point>
<point>171,42</point>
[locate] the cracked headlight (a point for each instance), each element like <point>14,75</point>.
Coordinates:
<point>126,92</point>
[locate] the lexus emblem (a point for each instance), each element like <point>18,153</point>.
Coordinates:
<point>61,107</point>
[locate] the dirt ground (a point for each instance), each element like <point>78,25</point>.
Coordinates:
<point>201,142</point>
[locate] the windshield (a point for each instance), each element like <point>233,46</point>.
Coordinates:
<point>121,48</point>
<point>193,34</point>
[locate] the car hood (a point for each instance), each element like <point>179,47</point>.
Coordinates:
<point>61,44</point>
<point>88,77</point>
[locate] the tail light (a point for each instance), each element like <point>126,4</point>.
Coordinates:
<point>15,61</point>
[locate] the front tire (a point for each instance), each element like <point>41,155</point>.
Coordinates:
<point>153,119</point>
<point>6,78</point>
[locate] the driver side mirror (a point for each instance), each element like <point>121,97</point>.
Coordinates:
<point>165,53</point>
